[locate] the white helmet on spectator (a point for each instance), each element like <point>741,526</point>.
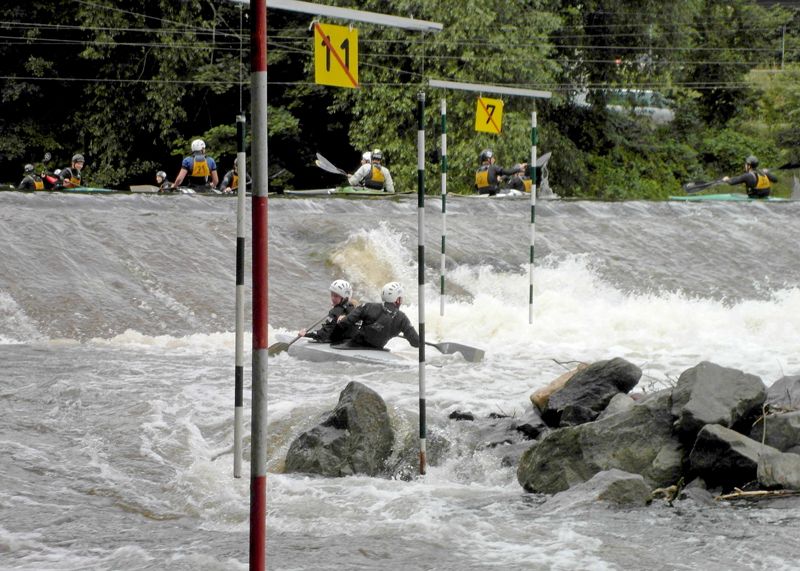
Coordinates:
<point>367,157</point>
<point>342,288</point>
<point>391,292</point>
<point>198,145</point>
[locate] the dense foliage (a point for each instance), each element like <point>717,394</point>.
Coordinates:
<point>130,83</point>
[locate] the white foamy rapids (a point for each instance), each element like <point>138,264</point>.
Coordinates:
<point>15,325</point>
<point>579,317</point>
<point>370,258</point>
<point>197,343</point>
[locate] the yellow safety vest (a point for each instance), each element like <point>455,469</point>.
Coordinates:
<point>200,167</point>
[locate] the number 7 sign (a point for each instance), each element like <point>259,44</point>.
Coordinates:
<point>335,55</point>
<point>489,115</point>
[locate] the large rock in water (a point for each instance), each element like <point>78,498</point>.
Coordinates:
<point>586,393</point>
<point>726,458</point>
<point>638,440</point>
<point>710,394</point>
<point>357,438</point>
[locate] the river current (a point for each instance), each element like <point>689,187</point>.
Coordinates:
<point>117,376</point>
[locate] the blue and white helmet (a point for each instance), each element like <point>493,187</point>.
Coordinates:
<point>342,288</point>
<point>391,292</point>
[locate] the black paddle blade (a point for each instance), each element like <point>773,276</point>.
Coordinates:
<point>789,166</point>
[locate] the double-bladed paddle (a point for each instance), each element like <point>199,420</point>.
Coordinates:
<point>328,166</point>
<point>699,185</point>
<point>281,346</point>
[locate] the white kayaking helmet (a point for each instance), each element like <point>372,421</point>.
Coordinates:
<point>198,145</point>
<point>342,288</point>
<point>162,175</point>
<point>367,157</point>
<point>28,168</point>
<point>391,292</point>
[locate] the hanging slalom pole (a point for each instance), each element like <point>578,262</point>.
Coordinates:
<point>444,203</point>
<point>238,397</point>
<point>534,142</point>
<point>421,273</point>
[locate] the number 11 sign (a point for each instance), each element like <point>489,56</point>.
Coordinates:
<point>335,55</point>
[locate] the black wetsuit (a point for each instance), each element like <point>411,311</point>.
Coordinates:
<point>486,178</point>
<point>31,182</point>
<point>750,180</point>
<point>332,331</point>
<point>379,323</point>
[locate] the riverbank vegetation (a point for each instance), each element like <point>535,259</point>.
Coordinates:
<point>129,84</point>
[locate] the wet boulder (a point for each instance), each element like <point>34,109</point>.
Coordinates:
<point>779,470</point>
<point>726,458</point>
<point>638,440</point>
<point>781,431</point>
<point>356,438</point>
<point>785,393</point>
<point>610,488</point>
<point>710,394</point>
<point>587,393</point>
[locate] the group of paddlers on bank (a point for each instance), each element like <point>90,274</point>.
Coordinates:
<point>370,325</point>
<point>198,171</point>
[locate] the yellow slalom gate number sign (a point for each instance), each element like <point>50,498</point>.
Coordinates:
<point>335,55</point>
<point>489,115</point>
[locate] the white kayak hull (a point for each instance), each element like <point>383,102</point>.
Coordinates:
<point>309,350</point>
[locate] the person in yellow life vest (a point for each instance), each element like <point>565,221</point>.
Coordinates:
<point>520,181</point>
<point>31,180</point>
<point>487,177</point>
<point>758,182</point>
<point>70,177</point>
<point>373,174</point>
<point>230,182</point>
<point>198,169</point>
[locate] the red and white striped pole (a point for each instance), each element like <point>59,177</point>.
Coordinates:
<point>258,442</point>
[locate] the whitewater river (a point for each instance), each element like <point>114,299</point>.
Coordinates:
<point>117,385</point>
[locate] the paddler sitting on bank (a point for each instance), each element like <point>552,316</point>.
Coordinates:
<point>70,177</point>
<point>197,169</point>
<point>332,331</point>
<point>373,174</point>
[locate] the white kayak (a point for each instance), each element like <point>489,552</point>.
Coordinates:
<point>310,350</point>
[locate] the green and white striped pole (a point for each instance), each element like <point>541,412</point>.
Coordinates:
<point>444,203</point>
<point>534,142</point>
<point>421,272</point>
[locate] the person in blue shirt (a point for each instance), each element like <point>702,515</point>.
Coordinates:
<point>198,169</point>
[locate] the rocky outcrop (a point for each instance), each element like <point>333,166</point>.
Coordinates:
<point>699,428</point>
<point>356,438</point>
<point>637,440</point>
